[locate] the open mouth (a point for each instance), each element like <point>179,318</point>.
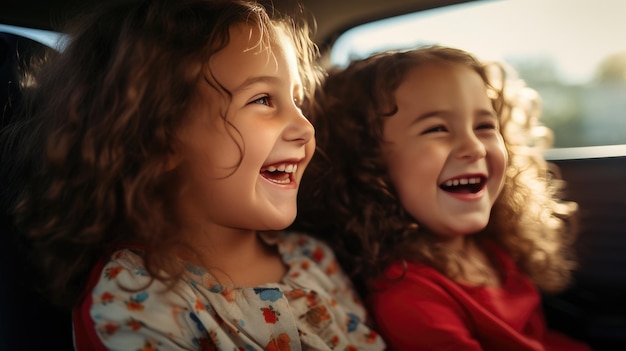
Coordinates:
<point>280,173</point>
<point>464,185</point>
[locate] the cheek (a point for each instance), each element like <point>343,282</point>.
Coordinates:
<point>309,151</point>
<point>414,175</point>
<point>422,163</point>
<point>502,154</point>
<point>215,158</point>
<point>499,161</point>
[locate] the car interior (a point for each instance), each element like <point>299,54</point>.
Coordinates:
<point>590,309</point>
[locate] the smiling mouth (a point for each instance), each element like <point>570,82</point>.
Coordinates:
<point>280,173</point>
<point>464,185</point>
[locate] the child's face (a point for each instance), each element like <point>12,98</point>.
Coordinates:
<point>258,193</point>
<point>445,154</point>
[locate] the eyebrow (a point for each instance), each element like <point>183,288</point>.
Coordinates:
<point>427,115</point>
<point>257,79</point>
<point>444,113</point>
<point>488,113</point>
<point>299,88</point>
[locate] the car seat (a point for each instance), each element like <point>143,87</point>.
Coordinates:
<point>27,320</point>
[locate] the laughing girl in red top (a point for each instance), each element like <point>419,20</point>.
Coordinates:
<point>431,180</point>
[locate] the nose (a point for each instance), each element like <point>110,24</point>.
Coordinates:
<point>469,146</point>
<point>299,128</point>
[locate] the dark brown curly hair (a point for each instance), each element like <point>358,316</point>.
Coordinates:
<point>98,124</point>
<point>348,199</point>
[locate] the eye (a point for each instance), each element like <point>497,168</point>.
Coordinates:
<point>487,125</point>
<point>436,129</point>
<point>263,100</point>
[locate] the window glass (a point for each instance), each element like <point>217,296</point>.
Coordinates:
<point>572,52</point>
<point>52,39</point>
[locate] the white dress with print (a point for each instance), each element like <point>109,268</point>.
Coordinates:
<point>313,308</point>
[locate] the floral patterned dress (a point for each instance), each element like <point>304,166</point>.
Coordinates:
<point>314,307</point>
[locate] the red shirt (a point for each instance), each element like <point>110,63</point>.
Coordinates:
<point>424,310</point>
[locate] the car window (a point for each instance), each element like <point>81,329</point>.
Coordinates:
<point>52,39</point>
<point>571,51</point>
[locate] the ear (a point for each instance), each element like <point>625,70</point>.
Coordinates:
<point>174,158</point>
<point>173,161</point>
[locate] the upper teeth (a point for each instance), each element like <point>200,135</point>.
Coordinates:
<point>463,181</point>
<point>288,168</point>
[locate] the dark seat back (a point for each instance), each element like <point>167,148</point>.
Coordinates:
<point>27,320</point>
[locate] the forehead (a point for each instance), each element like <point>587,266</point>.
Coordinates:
<point>252,52</point>
<point>437,80</point>
<point>442,72</point>
<point>440,86</point>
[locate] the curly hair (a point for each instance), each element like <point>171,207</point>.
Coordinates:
<point>98,124</point>
<point>348,199</point>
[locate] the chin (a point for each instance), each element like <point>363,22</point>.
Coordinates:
<point>280,223</point>
<point>463,228</point>
<point>471,229</point>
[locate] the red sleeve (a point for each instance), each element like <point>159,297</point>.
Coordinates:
<point>416,314</point>
<point>85,336</point>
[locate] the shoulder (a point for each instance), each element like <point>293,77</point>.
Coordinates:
<point>407,287</point>
<point>121,284</point>
<point>297,242</point>
<point>299,246</point>
<point>330,295</point>
<point>403,274</point>
<point>314,266</point>
<point>123,305</point>
<point>416,307</point>
<point>122,270</point>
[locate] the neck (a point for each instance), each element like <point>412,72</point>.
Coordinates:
<point>477,268</point>
<point>217,244</point>
<point>234,256</point>
<point>453,244</point>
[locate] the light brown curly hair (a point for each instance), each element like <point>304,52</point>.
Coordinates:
<point>98,125</point>
<point>348,199</point>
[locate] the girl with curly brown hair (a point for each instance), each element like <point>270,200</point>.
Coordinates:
<point>163,150</point>
<point>430,183</point>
